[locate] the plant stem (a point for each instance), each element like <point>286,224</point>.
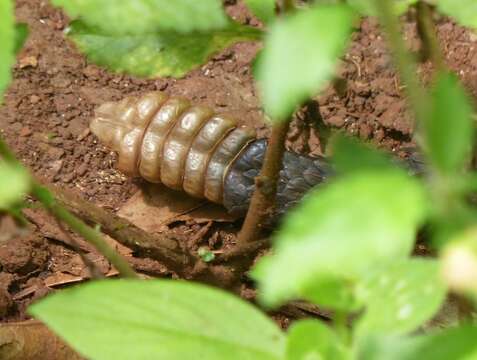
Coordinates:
<point>91,235</point>
<point>403,60</point>
<point>263,198</point>
<point>166,248</point>
<point>288,5</point>
<point>340,319</point>
<point>94,270</point>
<point>430,49</point>
<point>59,212</point>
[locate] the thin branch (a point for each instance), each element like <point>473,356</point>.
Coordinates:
<point>407,68</point>
<point>288,6</point>
<point>249,250</point>
<point>93,268</point>
<point>263,198</point>
<point>164,248</point>
<point>59,212</point>
<point>430,49</point>
<point>89,234</point>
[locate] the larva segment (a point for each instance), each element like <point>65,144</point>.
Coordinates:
<point>121,126</point>
<point>155,136</point>
<point>224,155</point>
<point>200,152</point>
<point>178,143</point>
<point>138,116</point>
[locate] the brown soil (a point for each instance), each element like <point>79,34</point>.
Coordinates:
<point>55,89</point>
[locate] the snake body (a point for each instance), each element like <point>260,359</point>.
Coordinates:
<point>193,149</point>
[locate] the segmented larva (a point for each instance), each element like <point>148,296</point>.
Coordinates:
<point>167,140</point>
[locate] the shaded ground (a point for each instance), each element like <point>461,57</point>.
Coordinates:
<point>48,106</point>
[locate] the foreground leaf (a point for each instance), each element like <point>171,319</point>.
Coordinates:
<point>313,340</point>
<point>262,9</point>
<point>160,319</point>
<point>139,17</point>
<point>300,55</point>
<point>339,233</point>
<point>454,343</point>
<point>351,155</point>
<point>7,44</point>
<point>14,184</point>
<point>464,12</point>
<point>368,7</point>
<point>153,55</point>
<point>449,131</point>
<point>401,297</point>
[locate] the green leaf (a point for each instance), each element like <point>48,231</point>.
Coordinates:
<point>153,55</point>
<point>367,7</point>
<point>465,12</point>
<point>312,340</point>
<point>262,9</point>
<point>21,34</point>
<point>340,232</point>
<point>159,319</point>
<point>449,131</point>
<point>351,155</point>
<point>299,56</point>
<point>454,343</point>
<point>140,17</point>
<point>400,297</point>
<point>14,184</point>
<point>7,44</point>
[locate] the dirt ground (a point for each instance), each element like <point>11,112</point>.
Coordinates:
<point>55,89</point>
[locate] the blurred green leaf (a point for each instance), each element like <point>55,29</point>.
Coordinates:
<point>453,343</point>
<point>400,297</point>
<point>14,184</point>
<point>311,339</point>
<point>160,319</point>
<point>464,12</point>
<point>21,34</point>
<point>449,131</point>
<point>333,292</point>
<point>141,17</point>
<point>264,10</point>
<point>160,54</point>
<point>351,155</point>
<point>367,7</point>
<point>7,44</point>
<point>299,56</point>
<point>340,232</point>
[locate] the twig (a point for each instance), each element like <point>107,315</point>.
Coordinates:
<point>430,49</point>
<point>418,98</point>
<point>314,118</point>
<point>164,248</point>
<point>93,268</point>
<point>91,235</point>
<point>288,5</point>
<point>263,198</point>
<point>246,250</point>
<point>59,212</point>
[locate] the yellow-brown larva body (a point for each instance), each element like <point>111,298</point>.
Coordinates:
<point>165,139</point>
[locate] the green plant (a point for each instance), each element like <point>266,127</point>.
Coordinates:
<point>348,247</point>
